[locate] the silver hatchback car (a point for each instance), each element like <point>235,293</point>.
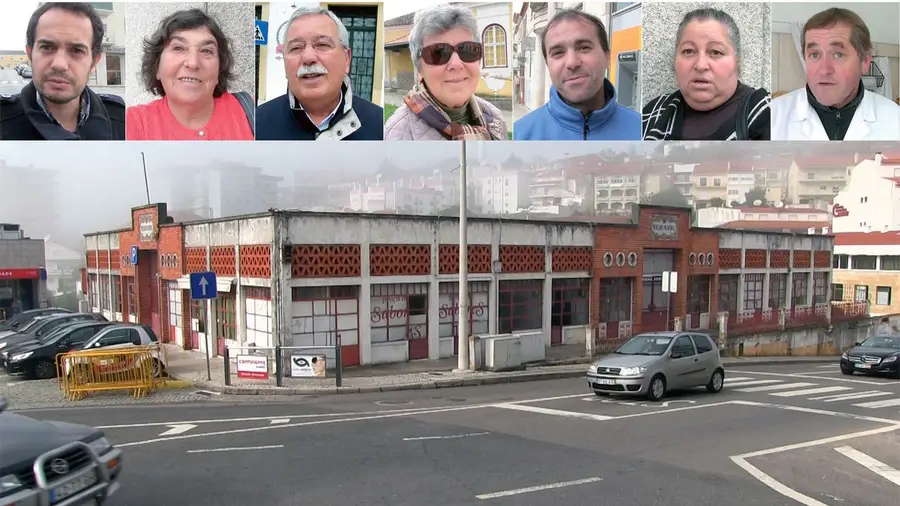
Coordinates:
<point>654,363</point>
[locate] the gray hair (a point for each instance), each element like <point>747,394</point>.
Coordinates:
<point>309,11</point>
<point>710,14</point>
<point>439,20</point>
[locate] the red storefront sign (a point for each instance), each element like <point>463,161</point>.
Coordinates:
<point>20,273</point>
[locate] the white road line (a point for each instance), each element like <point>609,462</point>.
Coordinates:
<point>838,414</point>
<point>236,449</point>
<point>751,382</point>
<point>848,397</point>
<point>280,420</point>
<point>456,436</point>
<point>673,410</point>
<point>775,484</point>
<point>548,399</point>
<point>303,424</point>
<point>872,464</point>
<point>811,391</point>
<point>770,388</point>
<point>879,404</point>
<point>829,366</point>
<point>554,412</point>
<point>806,376</point>
<point>528,490</point>
<point>178,429</point>
<point>729,379</point>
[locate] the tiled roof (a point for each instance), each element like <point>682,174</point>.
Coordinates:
<point>867,238</point>
<point>774,225</point>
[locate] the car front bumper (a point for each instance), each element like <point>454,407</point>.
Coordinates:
<point>880,368</point>
<point>624,385</point>
<point>106,468</point>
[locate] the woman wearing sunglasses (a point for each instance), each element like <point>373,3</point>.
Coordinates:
<point>445,50</point>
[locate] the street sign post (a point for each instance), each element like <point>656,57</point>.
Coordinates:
<point>262,33</point>
<point>203,287</point>
<point>670,286</point>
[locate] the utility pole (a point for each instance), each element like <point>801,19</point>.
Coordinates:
<point>146,184</point>
<point>463,303</point>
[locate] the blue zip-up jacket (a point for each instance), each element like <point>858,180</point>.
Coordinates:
<point>558,121</point>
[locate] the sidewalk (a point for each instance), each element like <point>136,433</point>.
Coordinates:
<point>420,374</point>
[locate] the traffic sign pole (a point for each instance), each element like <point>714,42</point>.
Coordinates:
<point>208,359</point>
<point>203,287</point>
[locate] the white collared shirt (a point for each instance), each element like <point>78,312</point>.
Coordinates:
<point>295,105</point>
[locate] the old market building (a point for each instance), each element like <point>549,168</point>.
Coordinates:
<point>388,283</point>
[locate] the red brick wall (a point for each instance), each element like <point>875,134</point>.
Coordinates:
<point>171,247</point>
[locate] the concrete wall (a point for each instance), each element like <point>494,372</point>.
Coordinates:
<point>809,341</point>
<point>256,230</point>
<point>22,253</point>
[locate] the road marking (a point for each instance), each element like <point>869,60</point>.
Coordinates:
<point>280,420</point>
<point>879,404</point>
<point>528,490</point>
<point>739,378</point>
<point>872,464</point>
<point>673,410</point>
<point>554,412</point>
<point>751,382</point>
<point>741,460</point>
<point>548,399</point>
<point>770,388</point>
<point>848,397</point>
<point>814,411</point>
<point>303,424</point>
<point>178,429</point>
<point>811,391</point>
<point>236,449</point>
<point>456,436</point>
<point>829,366</point>
<point>805,376</point>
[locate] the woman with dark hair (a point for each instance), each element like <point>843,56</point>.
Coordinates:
<point>188,63</point>
<point>711,103</point>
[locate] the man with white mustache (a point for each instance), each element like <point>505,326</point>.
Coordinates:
<point>319,104</point>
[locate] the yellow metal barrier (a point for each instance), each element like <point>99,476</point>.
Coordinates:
<point>84,371</point>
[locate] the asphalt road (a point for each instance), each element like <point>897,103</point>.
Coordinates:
<point>521,444</point>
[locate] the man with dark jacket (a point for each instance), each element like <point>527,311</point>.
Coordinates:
<point>319,104</point>
<point>64,45</point>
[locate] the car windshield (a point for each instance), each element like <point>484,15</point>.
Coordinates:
<point>53,333</point>
<point>882,342</point>
<point>645,345</point>
<point>33,323</point>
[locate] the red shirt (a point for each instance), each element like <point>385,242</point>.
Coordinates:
<point>155,122</point>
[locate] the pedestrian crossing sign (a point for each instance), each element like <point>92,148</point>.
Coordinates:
<point>262,33</point>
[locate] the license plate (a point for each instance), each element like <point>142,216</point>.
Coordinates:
<point>606,382</point>
<point>863,366</point>
<point>73,487</point>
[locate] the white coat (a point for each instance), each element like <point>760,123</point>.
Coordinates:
<point>794,119</point>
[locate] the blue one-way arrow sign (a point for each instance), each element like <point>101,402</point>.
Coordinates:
<point>203,285</point>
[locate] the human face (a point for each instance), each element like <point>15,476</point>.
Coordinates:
<point>189,66</point>
<point>313,47</point>
<point>577,62</point>
<point>61,58</point>
<point>453,83</point>
<point>706,65</point>
<point>833,67</point>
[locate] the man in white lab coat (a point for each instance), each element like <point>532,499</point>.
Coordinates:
<point>834,105</point>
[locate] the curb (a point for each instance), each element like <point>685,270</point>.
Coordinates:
<point>486,379</point>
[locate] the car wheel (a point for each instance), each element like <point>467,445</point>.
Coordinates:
<point>846,372</point>
<point>657,388</point>
<point>157,368</point>
<point>43,370</point>
<point>716,381</point>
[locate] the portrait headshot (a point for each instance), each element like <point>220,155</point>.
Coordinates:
<point>193,77</point>
<point>319,71</point>
<point>448,74</point>
<point>835,71</point>
<point>578,73</point>
<point>61,74</point>
<point>706,71</point>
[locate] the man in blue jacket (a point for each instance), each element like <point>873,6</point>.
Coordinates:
<point>582,101</point>
<point>319,103</point>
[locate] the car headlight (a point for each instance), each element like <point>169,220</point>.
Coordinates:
<point>889,360</point>
<point>20,356</point>
<point>100,446</point>
<point>9,482</point>
<point>632,371</point>
<point>845,356</point>
<point>3,344</point>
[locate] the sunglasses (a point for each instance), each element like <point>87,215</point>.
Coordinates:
<point>440,53</point>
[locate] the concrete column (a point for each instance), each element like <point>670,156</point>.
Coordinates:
<point>494,295</point>
<point>365,304</point>
<point>434,297</point>
<point>240,303</point>
<point>547,309</point>
<point>765,300</point>
<point>282,301</point>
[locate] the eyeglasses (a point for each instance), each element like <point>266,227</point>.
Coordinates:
<point>440,53</point>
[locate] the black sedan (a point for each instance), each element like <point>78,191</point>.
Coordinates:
<point>879,355</point>
<point>36,359</point>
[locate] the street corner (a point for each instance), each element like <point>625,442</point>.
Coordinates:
<point>857,468</point>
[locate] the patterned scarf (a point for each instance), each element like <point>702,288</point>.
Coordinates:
<point>423,105</point>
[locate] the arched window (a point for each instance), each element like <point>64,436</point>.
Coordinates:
<point>494,40</point>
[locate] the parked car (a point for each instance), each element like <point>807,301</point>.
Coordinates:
<point>655,363</point>
<point>877,355</point>
<point>125,335</point>
<point>37,358</point>
<point>43,325</point>
<point>46,462</point>
<point>26,317</point>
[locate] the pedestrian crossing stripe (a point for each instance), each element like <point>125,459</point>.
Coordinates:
<point>769,388</point>
<point>879,404</point>
<point>811,391</point>
<point>779,388</point>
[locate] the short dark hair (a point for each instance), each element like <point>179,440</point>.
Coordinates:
<point>176,22</point>
<point>573,14</point>
<point>860,38</point>
<point>83,8</point>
